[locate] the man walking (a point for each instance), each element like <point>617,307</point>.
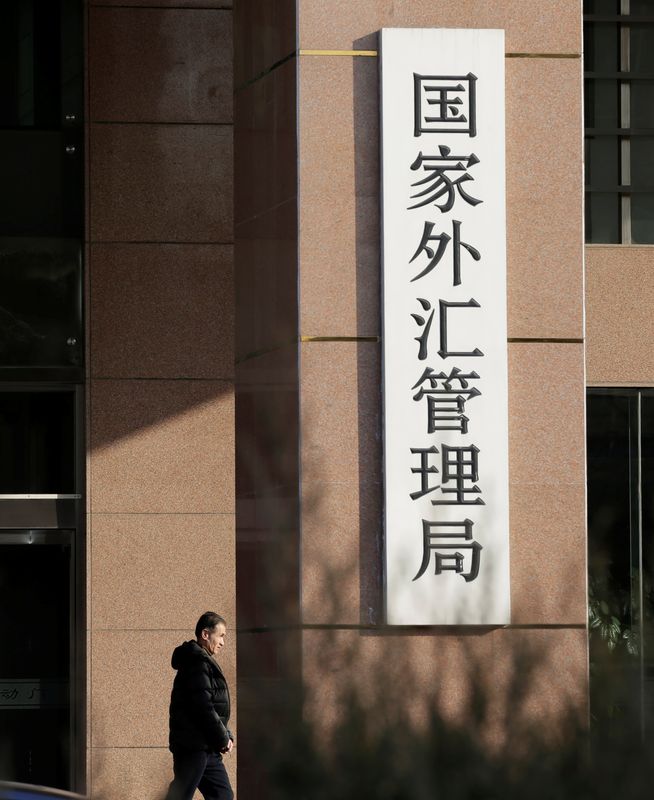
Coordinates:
<point>199,713</point>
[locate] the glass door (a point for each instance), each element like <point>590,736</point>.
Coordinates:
<point>620,447</point>
<point>37,642</point>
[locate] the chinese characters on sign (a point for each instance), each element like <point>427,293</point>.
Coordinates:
<point>24,693</point>
<point>444,327</point>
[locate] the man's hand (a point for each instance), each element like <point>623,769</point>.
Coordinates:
<point>229,747</point>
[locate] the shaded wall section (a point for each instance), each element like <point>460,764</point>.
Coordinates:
<point>267,402</point>
<point>159,299</point>
<point>310,567</point>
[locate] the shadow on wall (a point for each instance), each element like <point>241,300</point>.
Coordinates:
<point>373,718</point>
<point>161,306</point>
<point>122,409</point>
<point>374,726</point>
<point>407,712</point>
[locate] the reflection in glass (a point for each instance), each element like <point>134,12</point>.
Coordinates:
<point>613,633</point>
<point>620,438</point>
<point>647,470</point>
<point>40,303</point>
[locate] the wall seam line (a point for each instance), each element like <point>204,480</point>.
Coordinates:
<point>375,53</point>
<point>161,8</point>
<point>453,629</point>
<point>162,123</point>
<point>161,513</point>
<point>93,242</point>
<point>163,378</point>
<point>551,340</point>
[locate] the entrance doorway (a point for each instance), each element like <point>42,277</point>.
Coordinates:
<point>37,656</point>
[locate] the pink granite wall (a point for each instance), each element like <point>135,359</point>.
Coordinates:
<point>160,313</point>
<point>309,498</point>
<point>339,265</point>
<point>618,315</point>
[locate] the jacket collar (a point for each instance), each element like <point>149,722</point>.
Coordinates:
<point>211,660</point>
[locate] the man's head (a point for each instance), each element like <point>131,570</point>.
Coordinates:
<point>210,632</point>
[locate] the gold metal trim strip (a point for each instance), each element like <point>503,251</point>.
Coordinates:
<point>338,53</point>
<point>340,338</point>
<point>535,340</point>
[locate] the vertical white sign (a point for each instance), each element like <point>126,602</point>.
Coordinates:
<point>444,327</point>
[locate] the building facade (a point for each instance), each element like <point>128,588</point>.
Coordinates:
<point>191,390</point>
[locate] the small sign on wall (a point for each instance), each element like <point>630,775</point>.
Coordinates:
<point>22,693</point>
<point>444,327</point>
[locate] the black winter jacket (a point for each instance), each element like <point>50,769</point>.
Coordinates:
<point>199,703</point>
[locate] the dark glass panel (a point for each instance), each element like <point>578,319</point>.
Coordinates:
<point>37,442</point>
<point>642,102</point>
<point>609,504</point>
<point>602,160</point>
<point>35,664</point>
<point>72,59</point>
<point>40,63</point>
<point>41,118</point>
<point>601,6</point>
<point>642,162</point>
<point>641,8</point>
<point>602,104</point>
<point>603,218</point>
<point>601,47</point>
<point>40,303</point>
<point>612,487</point>
<point>642,218</point>
<point>641,52</point>
<point>42,184</point>
<point>647,468</point>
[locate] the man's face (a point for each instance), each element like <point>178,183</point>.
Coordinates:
<point>212,639</point>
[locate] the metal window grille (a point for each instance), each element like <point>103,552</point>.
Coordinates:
<point>619,125</point>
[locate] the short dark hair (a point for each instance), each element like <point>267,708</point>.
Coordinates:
<point>208,620</point>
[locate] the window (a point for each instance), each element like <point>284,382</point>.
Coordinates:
<point>619,120</point>
<point>40,302</point>
<point>620,438</point>
<point>41,118</point>
<point>42,506</point>
<point>37,440</point>
<point>42,197</point>
<point>37,659</point>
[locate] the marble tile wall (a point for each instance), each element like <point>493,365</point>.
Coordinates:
<point>340,383</point>
<point>618,315</point>
<point>308,374</point>
<point>160,308</point>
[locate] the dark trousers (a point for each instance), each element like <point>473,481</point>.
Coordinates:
<point>199,770</point>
